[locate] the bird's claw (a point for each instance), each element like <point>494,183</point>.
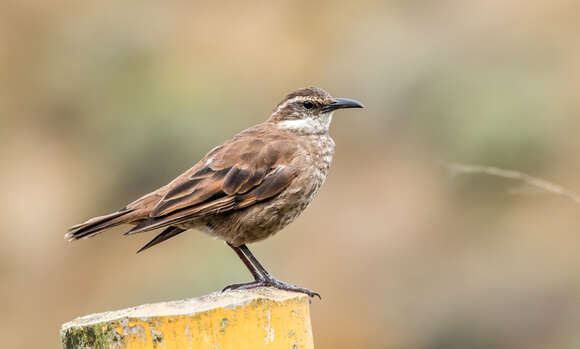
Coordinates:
<point>271,282</point>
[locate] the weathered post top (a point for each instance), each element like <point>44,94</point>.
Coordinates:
<point>257,318</point>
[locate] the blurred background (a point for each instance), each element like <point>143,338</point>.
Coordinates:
<point>101,102</point>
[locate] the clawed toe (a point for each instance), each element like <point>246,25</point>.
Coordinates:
<point>272,283</point>
<point>293,288</point>
<point>244,286</point>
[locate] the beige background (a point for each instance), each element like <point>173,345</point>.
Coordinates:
<point>103,101</point>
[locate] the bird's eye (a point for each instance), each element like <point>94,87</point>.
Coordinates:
<point>308,105</point>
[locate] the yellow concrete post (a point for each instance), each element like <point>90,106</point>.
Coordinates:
<point>258,318</point>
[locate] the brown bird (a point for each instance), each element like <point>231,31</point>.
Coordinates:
<point>246,189</point>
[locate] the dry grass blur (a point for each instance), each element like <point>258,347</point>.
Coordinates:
<point>103,101</point>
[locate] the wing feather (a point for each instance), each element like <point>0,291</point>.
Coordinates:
<point>274,183</point>
<point>237,174</point>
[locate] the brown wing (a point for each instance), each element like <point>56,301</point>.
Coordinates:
<point>238,174</point>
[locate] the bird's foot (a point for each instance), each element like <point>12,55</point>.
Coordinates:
<point>271,282</point>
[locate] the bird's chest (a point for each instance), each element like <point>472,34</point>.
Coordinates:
<point>313,163</point>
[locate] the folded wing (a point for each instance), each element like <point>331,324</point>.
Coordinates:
<point>236,175</point>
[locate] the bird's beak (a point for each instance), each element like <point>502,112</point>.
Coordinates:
<point>341,103</point>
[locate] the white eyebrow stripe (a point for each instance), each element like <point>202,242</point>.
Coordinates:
<point>297,98</point>
<point>291,100</point>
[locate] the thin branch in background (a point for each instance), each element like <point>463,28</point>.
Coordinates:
<point>457,169</point>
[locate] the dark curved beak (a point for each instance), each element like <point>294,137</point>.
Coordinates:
<point>341,103</point>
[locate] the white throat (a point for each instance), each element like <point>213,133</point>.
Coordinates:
<point>315,125</point>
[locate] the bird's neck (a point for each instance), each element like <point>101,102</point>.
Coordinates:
<point>307,126</point>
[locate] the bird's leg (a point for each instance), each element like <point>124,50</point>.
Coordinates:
<point>261,276</point>
<point>255,272</point>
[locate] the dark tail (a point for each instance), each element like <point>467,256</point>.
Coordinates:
<point>96,225</point>
<point>164,235</point>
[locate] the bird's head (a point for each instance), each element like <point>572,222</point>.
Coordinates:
<point>309,110</point>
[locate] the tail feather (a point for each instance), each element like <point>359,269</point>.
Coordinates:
<point>164,235</point>
<point>98,224</point>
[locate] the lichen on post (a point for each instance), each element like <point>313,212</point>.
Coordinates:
<point>257,318</point>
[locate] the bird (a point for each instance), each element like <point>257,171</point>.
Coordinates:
<point>244,190</point>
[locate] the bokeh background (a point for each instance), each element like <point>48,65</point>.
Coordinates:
<point>101,102</point>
